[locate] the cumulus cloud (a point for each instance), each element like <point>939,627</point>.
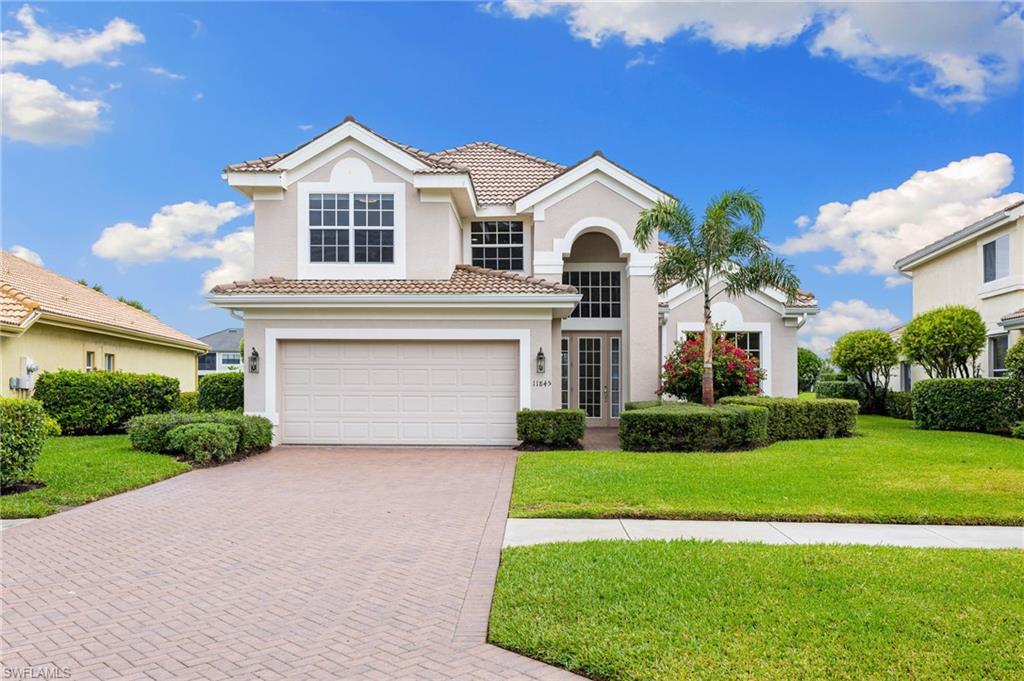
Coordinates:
<point>27,254</point>
<point>953,53</point>
<point>36,111</point>
<point>185,231</point>
<point>842,316</point>
<point>870,234</point>
<point>35,44</point>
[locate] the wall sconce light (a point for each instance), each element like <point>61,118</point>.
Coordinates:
<point>540,361</point>
<point>254,362</point>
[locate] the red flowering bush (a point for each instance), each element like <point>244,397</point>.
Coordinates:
<point>735,373</point>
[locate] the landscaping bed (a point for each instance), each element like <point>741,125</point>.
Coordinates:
<point>683,609</point>
<point>888,473</point>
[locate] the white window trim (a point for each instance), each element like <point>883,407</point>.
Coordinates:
<point>998,282</point>
<point>467,240</point>
<point>990,357</point>
<point>765,329</point>
<point>346,185</point>
<point>599,323</point>
<point>273,335</point>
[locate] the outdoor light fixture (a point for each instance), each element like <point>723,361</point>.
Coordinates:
<point>254,362</point>
<point>540,361</point>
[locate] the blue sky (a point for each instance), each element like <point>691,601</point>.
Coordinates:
<point>808,107</point>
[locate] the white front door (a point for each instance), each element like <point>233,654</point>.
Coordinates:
<point>399,392</point>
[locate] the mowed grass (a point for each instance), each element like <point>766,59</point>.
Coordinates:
<point>78,470</point>
<point>889,473</point>
<point>699,610</point>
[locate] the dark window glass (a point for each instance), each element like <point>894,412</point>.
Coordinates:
<point>497,245</point>
<point>601,294</point>
<point>328,245</point>
<point>997,348</point>
<point>208,362</point>
<point>374,245</point>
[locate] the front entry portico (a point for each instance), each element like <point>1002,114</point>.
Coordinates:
<point>592,378</point>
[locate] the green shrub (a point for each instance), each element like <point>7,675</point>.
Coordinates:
<point>1018,430</point>
<point>22,434</point>
<point>222,391</point>
<point>149,433</point>
<point>808,369</point>
<point>51,426</point>
<point>554,428</point>
<point>201,442</point>
<point>643,404</point>
<point>687,427</point>
<point>733,371</point>
<point>97,402</point>
<point>188,402</point>
<point>945,341</point>
<point>868,356</point>
<point>899,405</point>
<point>841,390</point>
<point>793,419</point>
<point>983,405</point>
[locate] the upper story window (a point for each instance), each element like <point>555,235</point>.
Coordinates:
<point>497,245</point>
<point>601,291</point>
<point>352,228</point>
<point>996,256</point>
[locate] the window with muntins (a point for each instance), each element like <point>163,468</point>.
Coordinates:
<point>747,341</point>
<point>601,292</point>
<point>352,228</point>
<point>231,358</point>
<point>996,256</point>
<point>497,245</point>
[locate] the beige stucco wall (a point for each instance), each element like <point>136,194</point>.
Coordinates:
<point>956,278</point>
<point>55,347</point>
<point>542,331</point>
<point>781,364</point>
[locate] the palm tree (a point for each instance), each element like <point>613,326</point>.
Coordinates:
<point>725,248</point>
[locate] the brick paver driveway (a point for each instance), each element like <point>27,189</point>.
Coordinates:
<point>300,563</point>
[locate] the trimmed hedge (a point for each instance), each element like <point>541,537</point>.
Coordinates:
<point>793,419</point>
<point>554,428</point>
<point>201,442</point>
<point>687,427</point>
<point>899,405</point>
<point>188,402</point>
<point>841,390</point>
<point>98,402</point>
<point>1018,430</point>
<point>222,391</point>
<point>982,405</point>
<point>22,434</point>
<point>150,433</point>
<point>645,404</point>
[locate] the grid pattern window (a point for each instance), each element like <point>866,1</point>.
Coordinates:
<point>230,358</point>
<point>748,342</point>
<point>601,291</point>
<point>565,373</point>
<point>208,362</point>
<point>996,255</point>
<point>108,362</point>
<point>615,367</point>
<point>589,369</point>
<point>997,349</point>
<point>497,245</point>
<point>333,218</point>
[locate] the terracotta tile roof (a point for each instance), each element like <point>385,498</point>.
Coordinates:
<point>803,299</point>
<point>1019,314</point>
<point>500,174</point>
<point>25,287</point>
<point>465,280</point>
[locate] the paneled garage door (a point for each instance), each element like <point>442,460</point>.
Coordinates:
<point>398,392</point>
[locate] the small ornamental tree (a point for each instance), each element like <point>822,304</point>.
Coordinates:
<point>868,356</point>
<point>808,369</point>
<point>734,372</point>
<point>945,341</point>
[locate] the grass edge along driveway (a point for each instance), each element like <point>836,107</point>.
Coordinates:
<point>889,473</point>
<point>684,609</point>
<point>85,468</point>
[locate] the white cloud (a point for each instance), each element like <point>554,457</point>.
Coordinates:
<point>35,44</point>
<point>198,97</point>
<point>161,71</point>
<point>870,234</point>
<point>185,231</point>
<point>842,316</point>
<point>36,111</point>
<point>640,59</point>
<point>27,254</point>
<point>953,53</point>
<point>305,127</point>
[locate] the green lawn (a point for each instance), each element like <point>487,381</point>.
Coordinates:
<point>889,473</point>
<point>698,610</point>
<point>78,470</point>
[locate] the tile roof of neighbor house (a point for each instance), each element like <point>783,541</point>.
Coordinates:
<point>26,288</point>
<point>957,235</point>
<point>465,280</point>
<point>500,175</point>
<point>1018,314</point>
<point>226,340</point>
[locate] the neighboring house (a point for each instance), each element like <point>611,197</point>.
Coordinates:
<point>402,296</point>
<point>980,266</point>
<point>225,352</point>
<point>901,378</point>
<point>53,323</point>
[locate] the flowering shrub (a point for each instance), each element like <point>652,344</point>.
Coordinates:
<point>735,373</point>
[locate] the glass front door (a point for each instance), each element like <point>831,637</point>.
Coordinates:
<point>592,375</point>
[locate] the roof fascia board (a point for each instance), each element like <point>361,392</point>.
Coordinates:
<point>678,294</point>
<point>118,332</point>
<point>955,240</point>
<point>453,181</point>
<point>349,129</point>
<point>591,165</point>
<point>413,300</point>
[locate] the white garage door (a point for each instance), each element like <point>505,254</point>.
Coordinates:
<point>398,392</point>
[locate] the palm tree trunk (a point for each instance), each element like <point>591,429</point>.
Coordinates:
<point>708,378</point>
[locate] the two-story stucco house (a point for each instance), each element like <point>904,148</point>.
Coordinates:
<point>980,266</point>
<point>407,297</point>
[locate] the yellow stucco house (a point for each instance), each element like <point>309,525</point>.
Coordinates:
<point>50,323</point>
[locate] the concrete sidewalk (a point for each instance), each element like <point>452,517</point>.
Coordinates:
<point>525,531</point>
